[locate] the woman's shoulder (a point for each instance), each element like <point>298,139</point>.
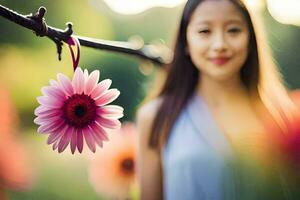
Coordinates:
<point>144,120</point>
<point>148,111</point>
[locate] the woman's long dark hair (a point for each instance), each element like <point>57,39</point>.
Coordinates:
<point>183,76</point>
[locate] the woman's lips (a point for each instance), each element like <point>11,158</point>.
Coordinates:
<point>220,60</point>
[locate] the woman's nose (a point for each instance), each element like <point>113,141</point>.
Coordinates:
<point>219,43</point>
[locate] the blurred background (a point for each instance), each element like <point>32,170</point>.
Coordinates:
<point>28,62</point>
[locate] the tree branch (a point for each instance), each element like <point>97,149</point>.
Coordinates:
<point>38,24</point>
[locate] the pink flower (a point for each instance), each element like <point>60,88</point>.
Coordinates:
<point>16,172</point>
<point>15,169</point>
<point>285,137</point>
<point>77,110</point>
<point>8,118</point>
<point>113,171</point>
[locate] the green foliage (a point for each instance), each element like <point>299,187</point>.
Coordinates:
<point>283,40</point>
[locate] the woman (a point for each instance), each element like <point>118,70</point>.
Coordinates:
<point>204,136</point>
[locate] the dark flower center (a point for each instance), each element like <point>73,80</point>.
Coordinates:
<point>127,166</point>
<point>79,110</point>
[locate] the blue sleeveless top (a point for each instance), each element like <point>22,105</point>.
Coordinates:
<point>196,161</point>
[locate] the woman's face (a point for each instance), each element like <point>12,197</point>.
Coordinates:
<point>217,39</point>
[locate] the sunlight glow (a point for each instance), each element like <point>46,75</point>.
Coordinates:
<point>286,12</point>
<point>256,5</point>
<point>130,7</point>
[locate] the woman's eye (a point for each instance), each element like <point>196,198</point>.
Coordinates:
<point>205,31</point>
<point>234,30</point>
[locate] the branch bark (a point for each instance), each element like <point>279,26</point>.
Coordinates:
<point>38,24</point>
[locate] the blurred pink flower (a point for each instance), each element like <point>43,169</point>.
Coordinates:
<point>15,169</point>
<point>113,171</point>
<point>77,109</point>
<point>8,117</point>
<point>287,139</point>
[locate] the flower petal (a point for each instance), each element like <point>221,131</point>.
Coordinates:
<point>48,112</point>
<point>42,110</point>
<point>55,145</point>
<point>91,82</point>
<point>50,127</point>
<point>65,139</point>
<point>101,88</point>
<point>49,102</point>
<point>96,137</point>
<point>107,97</point>
<point>74,141</point>
<point>89,139</point>
<point>53,137</point>
<point>78,81</point>
<point>110,111</point>
<point>101,133</point>
<point>79,140</point>
<point>65,84</point>
<point>53,82</point>
<point>52,91</point>
<point>108,123</point>
<point>85,74</point>
<point>45,120</point>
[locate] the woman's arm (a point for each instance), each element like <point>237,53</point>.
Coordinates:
<point>149,160</point>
